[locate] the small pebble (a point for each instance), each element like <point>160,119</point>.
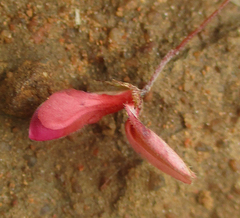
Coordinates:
<point>156,181</point>
<point>234,165</point>
<point>76,187</point>
<point>203,147</point>
<point>108,125</point>
<point>31,160</point>
<point>116,36</point>
<point>15,202</point>
<point>221,143</point>
<point>171,215</point>
<point>148,97</point>
<point>5,147</point>
<point>238,112</point>
<point>236,186</point>
<point>206,199</point>
<point>45,209</point>
<point>29,12</point>
<point>154,17</point>
<point>126,79</point>
<point>188,85</point>
<point>214,124</point>
<point>6,36</point>
<point>131,5</point>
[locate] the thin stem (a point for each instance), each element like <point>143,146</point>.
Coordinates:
<point>176,51</point>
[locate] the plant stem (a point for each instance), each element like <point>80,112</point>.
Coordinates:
<point>172,53</point>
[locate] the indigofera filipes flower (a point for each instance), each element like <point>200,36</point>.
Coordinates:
<point>69,110</point>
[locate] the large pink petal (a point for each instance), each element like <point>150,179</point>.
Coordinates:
<point>66,107</point>
<point>154,149</point>
<point>40,133</point>
<point>69,110</point>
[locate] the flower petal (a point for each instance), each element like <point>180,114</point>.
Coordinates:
<point>154,149</point>
<point>69,110</point>
<point>38,132</point>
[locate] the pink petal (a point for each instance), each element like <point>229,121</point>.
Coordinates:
<point>69,110</point>
<point>154,149</point>
<point>40,133</point>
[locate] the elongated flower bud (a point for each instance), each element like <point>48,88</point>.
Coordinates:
<point>154,149</point>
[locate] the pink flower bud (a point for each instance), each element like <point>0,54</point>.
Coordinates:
<point>69,110</point>
<point>154,149</point>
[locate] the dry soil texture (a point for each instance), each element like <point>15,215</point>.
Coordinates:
<point>50,45</point>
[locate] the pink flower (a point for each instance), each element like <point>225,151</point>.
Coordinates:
<point>154,149</point>
<point>69,110</point>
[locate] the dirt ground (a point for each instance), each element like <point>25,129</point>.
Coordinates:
<point>50,45</point>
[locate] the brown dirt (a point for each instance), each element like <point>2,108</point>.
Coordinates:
<point>194,106</point>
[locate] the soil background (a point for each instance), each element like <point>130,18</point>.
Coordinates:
<point>46,46</point>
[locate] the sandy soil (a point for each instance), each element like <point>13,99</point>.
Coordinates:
<point>194,106</point>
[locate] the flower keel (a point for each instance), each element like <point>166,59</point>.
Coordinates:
<point>154,149</point>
